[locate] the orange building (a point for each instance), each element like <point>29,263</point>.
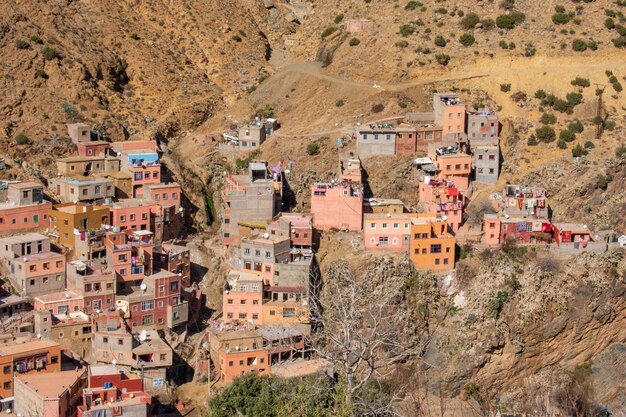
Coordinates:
<point>432,246</point>
<point>69,219</point>
<point>28,357</point>
<point>453,163</point>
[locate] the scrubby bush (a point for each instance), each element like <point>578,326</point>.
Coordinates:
<point>328,31</point>
<point>406,30</point>
<point>339,103</point>
<point>540,94</point>
<point>505,88</point>
<point>603,181</point>
<point>40,73</point>
<point>22,139</point>
<point>581,82</point>
<point>440,41</point>
<point>561,144</point>
<point>578,151</point>
<point>401,44</point>
<point>338,18</point>
<point>579,45</point>
<point>412,5</point>
<point>560,18</point>
<point>609,23</point>
<point>236,38</point>
<point>621,151</point>
<point>354,41</point>
<point>470,21</point>
<point>617,86</point>
<point>312,149</point>
<point>567,136</point>
<point>575,127</point>
<point>488,24</point>
<point>442,59</point>
<point>589,145</point>
<point>377,108</point>
<point>574,99</point>
<point>503,45</point>
<point>21,44</point>
<point>441,10</point>
<point>509,21</point>
<point>36,39</point>
<point>559,9</point>
<point>530,50</point>
<point>49,53</point>
<point>467,39</point>
<point>69,110</point>
<point>545,134</point>
<point>532,140</point>
<point>134,37</point>
<point>547,119</point>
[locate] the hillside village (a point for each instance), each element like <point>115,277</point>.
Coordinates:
<point>99,291</point>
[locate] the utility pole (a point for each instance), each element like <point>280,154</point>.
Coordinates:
<point>599,121</point>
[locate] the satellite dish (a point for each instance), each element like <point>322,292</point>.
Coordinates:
<point>445,218</point>
<point>143,335</point>
<point>266,235</point>
<point>38,335</point>
<point>143,287</point>
<point>114,362</point>
<point>287,171</point>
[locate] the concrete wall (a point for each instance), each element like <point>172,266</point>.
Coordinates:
<point>487,164</point>
<point>370,143</point>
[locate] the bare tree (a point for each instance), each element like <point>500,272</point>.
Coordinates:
<point>362,323</point>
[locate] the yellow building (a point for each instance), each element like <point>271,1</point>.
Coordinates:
<point>432,246</point>
<point>70,218</point>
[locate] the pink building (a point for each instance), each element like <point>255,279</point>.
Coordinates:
<point>339,203</point>
<point>165,194</point>
<point>453,163</point>
<point>51,394</point>
<point>94,148</point>
<point>296,226</point>
<point>94,282</point>
<point>243,297</point>
<point>129,254</point>
<point>131,214</point>
<point>25,207</point>
<point>387,231</point>
<point>58,303</point>
<point>442,197</point>
<point>450,114</point>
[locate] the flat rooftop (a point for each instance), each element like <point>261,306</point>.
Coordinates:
<point>58,296</point>
<point>39,257</point>
<point>296,219</point>
<point>27,184</point>
<point>87,159</point>
<point>25,238</point>
<point>51,385</point>
<point>29,345</point>
<point>128,203</point>
<point>11,300</point>
<point>82,182</point>
<point>76,208</point>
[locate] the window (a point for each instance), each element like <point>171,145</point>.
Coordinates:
<point>144,216</point>
<point>120,342</point>
<point>255,302</point>
<point>147,320</point>
<point>445,261</point>
<point>246,251</point>
<point>435,248</point>
<point>491,170</point>
<point>383,240</point>
<point>396,225</point>
<point>132,217</point>
<point>230,301</point>
<point>63,309</point>
<point>54,359</point>
<point>437,261</point>
<point>59,264</point>
<point>272,313</point>
<point>120,356</point>
<point>242,302</point>
<point>87,287</point>
<point>230,363</point>
<point>448,250</point>
<point>32,282</point>
<point>147,305</point>
<point>257,252</point>
<point>268,254</point>
<point>7,385</point>
<point>372,225</point>
<point>174,286</point>
<point>492,157</point>
<point>122,219</point>
<point>384,225</point>
<point>123,271</point>
<point>268,268</point>
<point>255,316</point>
<point>372,241</point>
<point>243,316</point>
<point>480,157</point>
<point>375,136</point>
<point>162,356</point>
<point>229,315</point>
<point>160,304</point>
<point>289,312</point>
<point>7,369</point>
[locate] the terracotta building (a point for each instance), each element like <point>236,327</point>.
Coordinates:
<point>53,394</point>
<point>69,219</point>
<point>450,115</point>
<point>442,197</point>
<point>243,297</point>
<point>25,207</point>
<point>387,231</point>
<point>94,282</point>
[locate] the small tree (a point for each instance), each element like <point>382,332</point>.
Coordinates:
<point>339,103</point>
<point>440,41</point>
<point>339,18</point>
<point>22,44</point>
<point>509,21</point>
<point>545,134</point>
<point>560,18</point>
<point>328,31</point>
<point>377,108</point>
<point>581,82</point>
<point>547,119</point>
<point>567,136</point>
<point>69,110</point>
<point>505,88</point>
<point>22,139</point>
<point>442,59</point>
<point>49,54</point>
<point>406,30</point>
<point>467,39</point>
<point>579,45</point>
<point>575,127</point>
<point>354,41</point>
<point>532,140</point>
<point>470,21</point>
<point>578,151</point>
<point>312,149</point>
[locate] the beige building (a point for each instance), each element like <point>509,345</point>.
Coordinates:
<point>71,189</point>
<point>87,165</point>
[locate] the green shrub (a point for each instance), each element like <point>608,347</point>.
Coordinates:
<point>540,94</point>
<point>609,125</point>
<point>509,21</point>
<point>402,44</point>
<point>442,59</point>
<point>22,139</point>
<point>49,53</point>
<point>609,23</point>
<point>532,140</point>
<point>354,41</point>
<point>559,9</point>
<point>561,144</point>
<point>69,110</point>
<point>441,10</point>
<point>547,119</point>
<point>403,105</point>
<point>338,18</point>
<point>617,86</point>
<point>581,82</point>
<point>22,44</point>
<point>236,38</point>
<point>567,136</point>
<point>134,37</point>
<point>593,45</point>
<point>603,181</point>
<point>497,303</point>
<point>574,99</point>
<point>412,5</point>
<point>406,30</point>
<point>589,145</point>
<point>619,42</point>
<point>578,151</point>
<point>470,21</point>
<point>575,127</point>
<point>503,45</point>
<point>579,45</point>
<point>328,31</point>
<point>505,88</point>
<point>530,50</point>
<point>488,24</point>
<point>312,149</point>
<point>545,134</point>
<point>36,39</point>
<point>40,73</point>
<point>339,103</point>
<point>440,41</point>
<point>560,18</point>
<point>378,108</point>
<point>460,13</point>
<point>620,152</point>
<point>467,39</point>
